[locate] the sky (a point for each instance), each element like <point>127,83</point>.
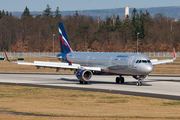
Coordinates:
<point>72,5</point>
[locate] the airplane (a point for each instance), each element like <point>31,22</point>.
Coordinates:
<point>85,64</point>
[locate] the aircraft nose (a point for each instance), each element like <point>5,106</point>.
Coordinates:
<point>148,69</point>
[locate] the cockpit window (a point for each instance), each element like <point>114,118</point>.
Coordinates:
<point>143,61</point>
<point>149,61</point>
<point>138,61</point>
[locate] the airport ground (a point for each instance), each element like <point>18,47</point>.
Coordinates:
<point>25,102</point>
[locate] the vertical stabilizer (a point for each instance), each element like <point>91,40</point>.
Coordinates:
<point>64,42</point>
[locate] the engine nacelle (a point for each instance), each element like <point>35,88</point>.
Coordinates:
<point>84,75</point>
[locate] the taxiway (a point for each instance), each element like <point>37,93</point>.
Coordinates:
<point>158,86</point>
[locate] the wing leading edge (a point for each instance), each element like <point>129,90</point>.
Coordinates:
<point>58,65</point>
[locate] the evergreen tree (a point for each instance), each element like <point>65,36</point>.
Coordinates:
<point>148,18</point>
<point>134,12</point>
<point>109,26</point>
<point>142,25</point>
<point>47,11</point>
<point>3,13</point>
<point>135,18</point>
<point>10,14</point>
<point>118,23</point>
<point>58,14</point>
<point>76,14</point>
<point>26,12</point>
<point>142,29</point>
<point>7,14</point>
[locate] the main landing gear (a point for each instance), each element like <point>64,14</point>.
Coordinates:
<point>81,82</point>
<point>120,79</point>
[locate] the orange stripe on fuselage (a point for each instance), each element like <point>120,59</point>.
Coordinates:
<point>68,59</point>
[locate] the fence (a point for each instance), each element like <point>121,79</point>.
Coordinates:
<point>28,54</point>
<point>42,54</point>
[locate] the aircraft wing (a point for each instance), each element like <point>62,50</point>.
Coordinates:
<point>56,65</point>
<point>156,61</point>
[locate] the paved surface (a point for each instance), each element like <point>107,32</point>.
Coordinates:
<point>157,86</point>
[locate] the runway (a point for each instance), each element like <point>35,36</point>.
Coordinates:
<point>157,86</point>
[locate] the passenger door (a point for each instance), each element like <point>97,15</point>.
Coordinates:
<point>130,61</point>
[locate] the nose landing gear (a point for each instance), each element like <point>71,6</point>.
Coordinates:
<point>139,83</point>
<point>139,78</point>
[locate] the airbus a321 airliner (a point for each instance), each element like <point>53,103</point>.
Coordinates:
<point>86,63</point>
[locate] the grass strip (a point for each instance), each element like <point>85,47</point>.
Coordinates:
<point>84,104</point>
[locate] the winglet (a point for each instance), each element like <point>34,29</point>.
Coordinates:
<point>174,53</point>
<point>6,56</point>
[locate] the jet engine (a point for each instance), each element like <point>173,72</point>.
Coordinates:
<point>84,75</point>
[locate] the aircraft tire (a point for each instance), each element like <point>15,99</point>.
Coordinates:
<point>139,83</point>
<point>85,82</point>
<point>122,79</point>
<point>117,79</point>
<point>81,82</point>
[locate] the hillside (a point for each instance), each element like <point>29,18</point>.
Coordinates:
<point>167,11</point>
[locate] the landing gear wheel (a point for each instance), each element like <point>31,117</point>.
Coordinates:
<point>85,82</point>
<point>122,80</point>
<point>81,82</point>
<point>139,83</point>
<point>117,79</point>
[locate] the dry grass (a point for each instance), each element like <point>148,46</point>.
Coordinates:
<point>21,117</point>
<point>166,69</point>
<point>11,67</point>
<point>82,104</point>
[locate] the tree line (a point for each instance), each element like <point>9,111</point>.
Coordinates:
<point>35,33</point>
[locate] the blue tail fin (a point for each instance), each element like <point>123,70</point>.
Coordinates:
<point>64,42</point>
